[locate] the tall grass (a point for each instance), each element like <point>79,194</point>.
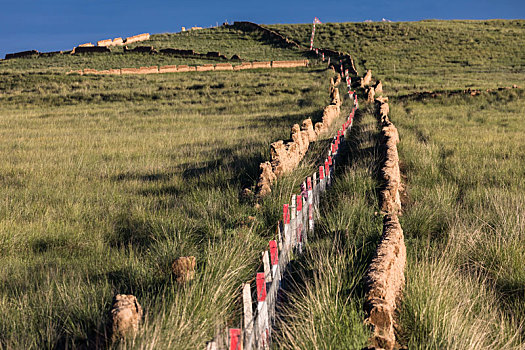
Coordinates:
<point>106,180</point>
<point>427,55</point>
<point>463,221</point>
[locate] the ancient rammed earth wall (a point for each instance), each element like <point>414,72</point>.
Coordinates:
<point>286,155</point>
<point>385,276</point>
<point>185,68</point>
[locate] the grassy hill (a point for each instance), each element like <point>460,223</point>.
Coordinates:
<point>226,40</point>
<point>429,54</point>
<point>107,179</point>
<point>462,162</point>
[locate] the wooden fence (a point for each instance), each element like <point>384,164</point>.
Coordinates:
<point>297,224</point>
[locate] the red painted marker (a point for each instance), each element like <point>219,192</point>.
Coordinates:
<point>261,287</point>
<point>235,339</point>
<point>326,167</point>
<point>286,214</point>
<point>329,160</point>
<point>321,172</point>
<point>274,257</point>
<point>309,183</point>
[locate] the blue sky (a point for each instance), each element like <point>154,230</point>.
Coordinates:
<point>48,25</point>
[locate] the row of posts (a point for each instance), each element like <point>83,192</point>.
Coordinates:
<point>297,223</point>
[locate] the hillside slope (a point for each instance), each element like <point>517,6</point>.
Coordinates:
<point>427,55</point>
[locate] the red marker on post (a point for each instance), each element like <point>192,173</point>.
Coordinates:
<point>261,287</point>
<point>329,160</point>
<point>309,184</point>
<point>321,172</point>
<point>274,256</point>
<point>235,339</point>
<point>299,205</point>
<point>286,214</point>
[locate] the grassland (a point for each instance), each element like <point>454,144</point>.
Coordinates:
<point>464,162</point>
<point>463,166</point>
<point>107,179</point>
<point>226,40</point>
<point>427,55</point>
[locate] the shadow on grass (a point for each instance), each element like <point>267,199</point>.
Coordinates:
<point>300,272</point>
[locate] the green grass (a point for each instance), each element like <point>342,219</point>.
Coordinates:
<point>228,41</point>
<point>107,179</point>
<point>427,55</point>
<point>463,161</point>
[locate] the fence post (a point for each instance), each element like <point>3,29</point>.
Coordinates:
<point>274,258</point>
<point>280,231</point>
<point>310,204</point>
<point>327,173</point>
<point>322,184</point>
<point>293,223</point>
<point>299,222</point>
<point>248,314</point>
<point>276,279</point>
<point>304,199</point>
<point>267,270</point>
<point>262,312</point>
<point>286,225</point>
<point>235,339</point>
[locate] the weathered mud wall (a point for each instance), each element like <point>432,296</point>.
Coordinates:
<point>223,66</point>
<point>289,64</point>
<point>168,69</point>
<point>384,282</point>
<point>203,68</point>
<point>267,64</point>
<point>268,34</point>
<point>135,38</point>
<point>385,276</point>
<point>286,155</point>
<point>111,42</point>
<point>126,316</point>
<point>21,54</point>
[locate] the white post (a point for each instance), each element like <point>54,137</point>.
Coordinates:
<point>299,222</point>
<point>248,313</point>
<point>293,223</point>
<point>310,188</point>
<point>263,331</point>
<point>287,236</point>
<point>267,269</point>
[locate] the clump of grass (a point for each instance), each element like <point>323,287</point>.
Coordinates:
<point>323,313</point>
<point>463,222</point>
<point>445,309</point>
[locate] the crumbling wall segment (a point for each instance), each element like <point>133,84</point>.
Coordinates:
<point>285,156</point>
<point>385,279</point>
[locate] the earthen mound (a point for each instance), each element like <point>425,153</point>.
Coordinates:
<point>184,268</point>
<point>126,315</point>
